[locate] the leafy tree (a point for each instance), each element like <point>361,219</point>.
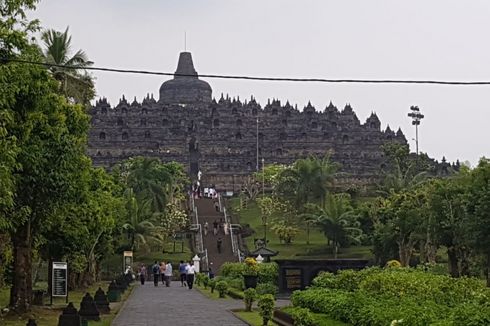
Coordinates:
<point>139,224</point>
<point>307,181</point>
<point>337,220</point>
<point>479,210</point>
<point>447,199</point>
<point>75,83</point>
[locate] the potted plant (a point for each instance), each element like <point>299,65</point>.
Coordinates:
<point>250,273</point>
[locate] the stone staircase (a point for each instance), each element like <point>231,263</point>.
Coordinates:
<point>207,213</point>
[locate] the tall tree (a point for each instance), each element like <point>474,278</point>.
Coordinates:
<point>75,83</point>
<point>479,210</point>
<point>337,220</point>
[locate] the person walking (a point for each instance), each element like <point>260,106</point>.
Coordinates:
<point>206,226</point>
<point>162,271</point>
<point>215,227</point>
<point>183,273</point>
<point>216,206</point>
<point>190,271</point>
<point>219,243</point>
<point>168,274</point>
<point>156,273</point>
<point>226,228</point>
<point>142,274</point>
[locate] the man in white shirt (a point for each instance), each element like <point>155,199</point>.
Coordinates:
<point>168,274</point>
<point>190,270</point>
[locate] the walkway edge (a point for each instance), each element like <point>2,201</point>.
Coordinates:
<point>123,304</point>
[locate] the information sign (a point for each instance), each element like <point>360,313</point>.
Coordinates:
<point>60,279</point>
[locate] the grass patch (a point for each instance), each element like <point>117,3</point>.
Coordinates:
<point>317,247</point>
<point>207,292</point>
<point>321,319</point>
<point>48,315</point>
<point>251,317</point>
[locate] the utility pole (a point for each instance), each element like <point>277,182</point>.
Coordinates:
<point>416,118</point>
<point>263,177</point>
<point>257,163</point>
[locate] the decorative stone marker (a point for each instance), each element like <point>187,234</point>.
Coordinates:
<point>102,302</point>
<point>88,309</point>
<point>197,262</point>
<point>114,293</point>
<point>69,316</point>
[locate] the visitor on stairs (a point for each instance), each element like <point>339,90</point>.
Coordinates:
<point>182,271</point>
<point>215,227</point>
<point>190,271</point>
<point>168,274</point>
<point>219,244</point>
<point>206,226</point>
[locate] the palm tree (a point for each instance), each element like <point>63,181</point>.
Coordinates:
<point>398,179</point>
<point>307,181</point>
<point>75,83</point>
<point>139,224</point>
<point>338,221</point>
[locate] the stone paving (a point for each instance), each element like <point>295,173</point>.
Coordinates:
<point>150,306</point>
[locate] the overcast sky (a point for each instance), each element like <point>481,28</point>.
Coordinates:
<point>417,39</point>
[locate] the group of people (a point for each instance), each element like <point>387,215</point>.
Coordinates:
<point>217,227</point>
<point>164,272</point>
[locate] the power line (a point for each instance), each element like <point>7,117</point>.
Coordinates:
<point>281,79</point>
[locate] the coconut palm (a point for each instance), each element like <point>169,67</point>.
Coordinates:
<point>139,225</point>
<point>75,83</point>
<point>398,179</point>
<point>337,221</point>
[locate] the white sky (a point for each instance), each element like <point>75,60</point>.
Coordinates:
<point>417,39</point>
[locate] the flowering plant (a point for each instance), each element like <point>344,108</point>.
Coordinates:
<point>251,267</point>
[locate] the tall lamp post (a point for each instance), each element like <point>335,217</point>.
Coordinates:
<point>416,118</point>
<point>263,177</point>
<point>257,163</point>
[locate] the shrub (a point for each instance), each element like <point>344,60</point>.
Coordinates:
<point>266,307</point>
<point>205,281</point>
<point>251,266</point>
<point>235,294</point>
<point>301,316</point>
<point>250,295</point>
<point>198,279</point>
<point>232,270</point>
<point>212,284</point>
<point>393,264</point>
<point>267,288</point>
<point>268,273</point>
<point>222,288</point>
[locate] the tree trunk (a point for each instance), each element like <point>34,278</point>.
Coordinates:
<point>453,261</point>
<point>465,261</point>
<point>405,252</point>
<point>487,270</point>
<point>21,290</point>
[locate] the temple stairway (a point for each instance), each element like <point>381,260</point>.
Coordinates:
<point>207,213</point>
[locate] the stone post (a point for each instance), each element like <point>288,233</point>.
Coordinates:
<point>197,262</point>
<point>259,259</point>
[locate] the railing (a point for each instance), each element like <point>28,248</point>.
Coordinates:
<point>234,243</point>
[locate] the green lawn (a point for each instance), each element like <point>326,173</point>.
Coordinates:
<point>254,319</point>
<point>298,249</point>
<point>48,315</point>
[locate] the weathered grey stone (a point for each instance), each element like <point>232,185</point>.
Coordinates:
<point>220,137</point>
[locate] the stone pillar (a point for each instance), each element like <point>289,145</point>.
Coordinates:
<point>88,309</point>
<point>197,263</point>
<point>69,316</point>
<point>259,259</point>
<point>102,302</point>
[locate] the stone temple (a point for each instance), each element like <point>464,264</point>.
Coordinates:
<point>228,138</point>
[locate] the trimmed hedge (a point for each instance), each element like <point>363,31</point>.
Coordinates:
<point>378,297</point>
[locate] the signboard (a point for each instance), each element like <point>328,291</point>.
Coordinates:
<point>60,279</point>
<point>127,260</point>
<point>293,277</point>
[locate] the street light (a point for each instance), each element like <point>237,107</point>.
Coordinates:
<point>416,118</point>
<point>263,177</point>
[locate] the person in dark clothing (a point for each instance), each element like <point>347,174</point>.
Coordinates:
<point>215,227</point>
<point>216,206</point>
<point>142,274</point>
<point>156,273</point>
<point>219,244</point>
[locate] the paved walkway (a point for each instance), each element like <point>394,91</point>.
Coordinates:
<point>150,306</point>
